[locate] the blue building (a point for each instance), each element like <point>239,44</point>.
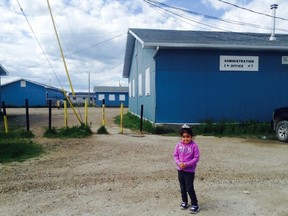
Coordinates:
<point>15,93</point>
<point>195,76</point>
<point>112,95</point>
<point>81,97</point>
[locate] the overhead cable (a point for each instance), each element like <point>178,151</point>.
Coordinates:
<point>155,4</point>
<point>162,5</point>
<point>39,43</point>
<point>253,11</point>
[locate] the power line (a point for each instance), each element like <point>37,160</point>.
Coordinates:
<point>94,45</point>
<point>162,13</point>
<point>39,43</point>
<point>109,39</point>
<point>154,3</point>
<point>69,54</point>
<point>163,6</point>
<point>253,11</point>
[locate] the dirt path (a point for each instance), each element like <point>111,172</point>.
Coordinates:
<point>125,175</point>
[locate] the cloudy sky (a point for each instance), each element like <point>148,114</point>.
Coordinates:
<point>93,33</point>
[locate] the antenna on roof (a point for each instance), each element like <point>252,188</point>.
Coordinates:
<point>273,7</point>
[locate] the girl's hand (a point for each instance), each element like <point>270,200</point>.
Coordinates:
<point>182,165</point>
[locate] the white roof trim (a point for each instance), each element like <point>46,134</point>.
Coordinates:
<point>213,46</point>
<point>137,38</point>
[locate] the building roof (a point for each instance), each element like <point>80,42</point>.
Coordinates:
<point>81,94</point>
<point>36,83</point>
<point>3,71</point>
<point>115,89</point>
<point>149,38</point>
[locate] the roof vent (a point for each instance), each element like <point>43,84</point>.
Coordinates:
<point>273,7</point>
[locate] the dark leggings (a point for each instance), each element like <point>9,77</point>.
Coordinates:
<point>186,181</point>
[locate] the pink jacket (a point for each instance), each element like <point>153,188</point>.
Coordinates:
<point>188,154</point>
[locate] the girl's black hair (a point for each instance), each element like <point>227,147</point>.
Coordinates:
<point>186,129</point>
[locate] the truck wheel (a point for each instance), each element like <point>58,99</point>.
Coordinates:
<point>282,131</point>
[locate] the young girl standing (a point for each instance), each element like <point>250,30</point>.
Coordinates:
<point>186,156</point>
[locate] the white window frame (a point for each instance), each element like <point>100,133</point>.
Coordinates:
<point>111,97</point>
<point>23,83</point>
<point>147,82</point>
<point>122,97</point>
<point>101,97</point>
<point>140,85</point>
<point>130,89</point>
<point>133,88</point>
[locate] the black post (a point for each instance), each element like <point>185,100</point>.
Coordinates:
<point>4,108</point>
<point>141,119</point>
<point>50,115</point>
<point>27,115</point>
<point>103,101</point>
<point>5,117</point>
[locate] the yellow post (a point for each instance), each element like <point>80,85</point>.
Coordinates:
<point>71,105</point>
<point>65,114</point>
<point>86,112</point>
<point>103,115</point>
<point>5,123</point>
<point>121,118</point>
<point>61,50</point>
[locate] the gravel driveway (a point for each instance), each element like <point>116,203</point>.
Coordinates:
<point>127,174</point>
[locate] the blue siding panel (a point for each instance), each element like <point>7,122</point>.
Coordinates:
<point>142,59</point>
<point>15,95</point>
<point>112,103</point>
<point>190,87</point>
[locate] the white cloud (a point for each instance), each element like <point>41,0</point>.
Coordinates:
<point>263,22</point>
<point>93,34</point>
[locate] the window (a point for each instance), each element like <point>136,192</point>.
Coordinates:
<point>129,87</point>
<point>23,83</point>
<point>133,88</point>
<point>101,96</point>
<point>147,81</point>
<point>140,85</point>
<point>121,97</point>
<point>111,97</point>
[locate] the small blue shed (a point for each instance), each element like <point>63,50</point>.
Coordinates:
<point>194,76</point>
<point>15,93</point>
<point>113,95</point>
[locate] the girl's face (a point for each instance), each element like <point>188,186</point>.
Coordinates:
<point>186,138</point>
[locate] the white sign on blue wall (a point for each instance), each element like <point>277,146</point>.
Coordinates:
<point>239,63</point>
<point>284,59</point>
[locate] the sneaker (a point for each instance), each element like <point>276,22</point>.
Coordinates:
<point>184,205</point>
<point>194,209</point>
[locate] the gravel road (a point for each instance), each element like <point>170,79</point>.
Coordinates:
<point>131,174</point>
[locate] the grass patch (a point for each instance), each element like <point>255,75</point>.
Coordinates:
<point>18,150</point>
<point>133,122</point>
<point>16,134</point>
<point>232,129</point>
<point>250,128</point>
<point>102,130</point>
<point>81,131</point>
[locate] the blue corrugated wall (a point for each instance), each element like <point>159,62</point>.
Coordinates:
<point>143,59</point>
<point>15,95</point>
<point>190,87</point>
<point>112,103</point>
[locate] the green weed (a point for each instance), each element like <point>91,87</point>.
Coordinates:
<point>232,129</point>
<point>18,150</point>
<point>72,132</point>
